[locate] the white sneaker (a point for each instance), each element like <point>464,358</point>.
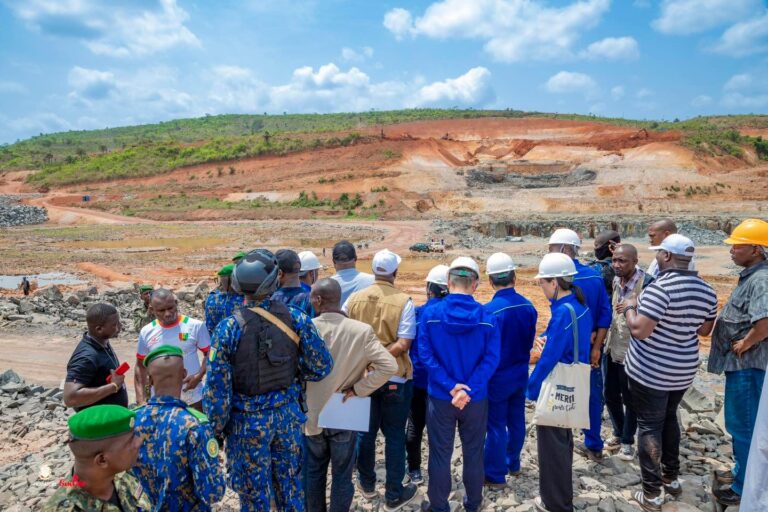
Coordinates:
<point>627,452</point>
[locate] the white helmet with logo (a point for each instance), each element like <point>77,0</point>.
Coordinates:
<point>564,236</point>
<point>556,264</point>
<point>499,263</point>
<point>467,263</point>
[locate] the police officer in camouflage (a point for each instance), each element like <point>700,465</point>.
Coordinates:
<point>253,395</point>
<point>222,301</point>
<point>178,462</point>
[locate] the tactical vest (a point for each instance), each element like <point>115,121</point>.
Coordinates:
<point>266,358</point>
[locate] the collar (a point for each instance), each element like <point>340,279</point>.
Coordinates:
<point>751,270</point>
<point>332,316</point>
<point>381,282</point>
<point>505,292</point>
<point>682,271</point>
<point>264,304</point>
<point>93,342</point>
<point>347,271</point>
<point>636,275</point>
<point>167,400</point>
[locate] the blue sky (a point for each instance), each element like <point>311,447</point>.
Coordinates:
<point>82,64</point>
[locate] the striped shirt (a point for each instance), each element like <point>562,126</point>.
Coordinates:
<point>680,302</point>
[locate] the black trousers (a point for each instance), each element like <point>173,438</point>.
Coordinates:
<point>555,446</point>
<point>658,435</point>
<point>417,420</point>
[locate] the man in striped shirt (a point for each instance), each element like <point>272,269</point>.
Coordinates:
<point>662,360</point>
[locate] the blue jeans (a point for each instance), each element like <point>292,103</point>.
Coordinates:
<point>337,447</point>
<point>390,405</point>
<point>618,400</point>
<point>442,419</point>
<point>742,397</point>
<point>505,436</point>
<point>592,438</point>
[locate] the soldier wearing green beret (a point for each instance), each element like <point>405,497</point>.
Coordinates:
<point>237,257</point>
<point>143,314</point>
<point>178,463</point>
<point>223,300</point>
<point>105,448</point>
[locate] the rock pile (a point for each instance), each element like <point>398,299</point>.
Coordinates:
<point>49,305</point>
<point>12,213</point>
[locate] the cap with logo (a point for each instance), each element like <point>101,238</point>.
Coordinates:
<point>385,262</point>
<point>675,244</point>
<point>101,422</point>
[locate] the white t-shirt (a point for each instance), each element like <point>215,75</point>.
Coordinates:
<point>189,335</point>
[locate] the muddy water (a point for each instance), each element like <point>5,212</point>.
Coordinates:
<point>13,282</point>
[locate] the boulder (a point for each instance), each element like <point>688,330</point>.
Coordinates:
<point>72,300</point>
<point>52,293</point>
<point>696,401</point>
<point>9,376</point>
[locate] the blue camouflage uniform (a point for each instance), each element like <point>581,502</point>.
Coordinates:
<point>295,296</point>
<point>218,306</point>
<point>178,463</point>
<point>516,317</point>
<point>263,432</point>
<point>591,283</point>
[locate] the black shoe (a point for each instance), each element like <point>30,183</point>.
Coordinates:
<point>727,497</point>
<point>673,487</point>
<point>409,492</point>
<point>585,452</point>
<point>494,486</point>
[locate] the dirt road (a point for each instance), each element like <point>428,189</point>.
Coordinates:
<point>69,215</point>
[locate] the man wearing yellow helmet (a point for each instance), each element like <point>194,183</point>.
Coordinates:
<point>740,350</point>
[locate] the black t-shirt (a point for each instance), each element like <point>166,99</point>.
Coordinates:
<point>90,365</point>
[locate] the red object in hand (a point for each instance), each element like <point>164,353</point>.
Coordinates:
<point>120,371</point>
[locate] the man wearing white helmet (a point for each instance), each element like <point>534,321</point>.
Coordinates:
<point>516,317</point>
<point>461,343</point>
<point>591,283</point>
<point>310,267</point>
<point>391,314</point>
<point>437,288</point>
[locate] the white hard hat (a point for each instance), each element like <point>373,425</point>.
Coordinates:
<point>465,262</point>
<point>675,244</point>
<point>556,264</point>
<point>438,275</point>
<point>309,261</point>
<point>499,263</point>
<point>385,262</point>
<point>564,236</point>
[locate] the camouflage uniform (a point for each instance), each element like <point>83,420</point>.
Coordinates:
<point>127,487</point>
<point>218,306</point>
<point>605,267</point>
<point>141,317</point>
<point>178,462</point>
<point>264,438</point>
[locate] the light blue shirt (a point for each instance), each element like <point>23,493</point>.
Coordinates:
<point>352,280</point>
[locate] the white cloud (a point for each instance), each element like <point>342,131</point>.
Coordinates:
<point>566,82</point>
<point>701,101</point>
<point>643,93</point>
<point>743,101</point>
<point>736,82</point>
<point>469,89</point>
<point>745,38</point>
<point>613,48</point>
<point>91,84</point>
<point>617,92</point>
<point>513,30</point>
<point>746,91</point>
<point>109,30</point>
<point>351,55</point>
<point>691,16</point>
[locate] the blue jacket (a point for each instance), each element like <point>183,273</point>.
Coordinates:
<point>559,345</point>
<point>419,369</point>
<point>591,283</point>
<point>516,318</point>
<point>460,343</point>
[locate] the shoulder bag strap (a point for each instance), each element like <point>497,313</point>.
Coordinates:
<point>269,317</point>
<point>575,328</point>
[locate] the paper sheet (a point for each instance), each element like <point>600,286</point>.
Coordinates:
<point>354,414</point>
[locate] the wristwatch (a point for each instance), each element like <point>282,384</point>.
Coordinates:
<point>634,308</point>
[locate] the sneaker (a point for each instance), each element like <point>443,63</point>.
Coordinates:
<point>585,452</point>
<point>727,497</point>
<point>648,504</point>
<point>367,494</point>
<point>409,492</point>
<point>540,505</point>
<point>627,452</point>
<point>494,486</point>
<point>415,477</point>
<point>613,442</point>
<point>673,488</point>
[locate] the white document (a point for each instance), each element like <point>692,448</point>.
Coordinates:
<point>354,414</point>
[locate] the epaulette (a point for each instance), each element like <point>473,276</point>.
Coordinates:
<point>201,417</point>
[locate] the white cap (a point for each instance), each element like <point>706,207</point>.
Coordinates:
<point>675,244</point>
<point>556,264</point>
<point>465,262</point>
<point>499,263</point>
<point>438,275</point>
<point>385,262</point>
<point>309,261</point>
<point>564,236</point>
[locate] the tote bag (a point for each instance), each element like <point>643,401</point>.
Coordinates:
<point>564,398</point>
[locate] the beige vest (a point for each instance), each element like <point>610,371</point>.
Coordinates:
<point>617,339</point>
<point>381,306</point>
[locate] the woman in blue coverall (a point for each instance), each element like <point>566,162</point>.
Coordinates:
<point>555,445</point>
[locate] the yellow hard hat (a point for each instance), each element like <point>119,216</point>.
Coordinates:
<point>749,232</point>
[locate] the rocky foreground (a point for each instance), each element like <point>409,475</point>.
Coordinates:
<point>34,457</point>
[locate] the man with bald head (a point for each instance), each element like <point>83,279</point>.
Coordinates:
<point>355,348</point>
<point>657,232</point>
<point>628,283</point>
<point>178,463</point>
<point>172,328</point>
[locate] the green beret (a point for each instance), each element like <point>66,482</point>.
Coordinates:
<point>226,270</point>
<point>145,288</point>
<point>163,350</point>
<point>239,256</point>
<point>100,422</point>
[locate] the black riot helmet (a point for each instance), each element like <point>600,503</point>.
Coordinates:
<point>256,274</point>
